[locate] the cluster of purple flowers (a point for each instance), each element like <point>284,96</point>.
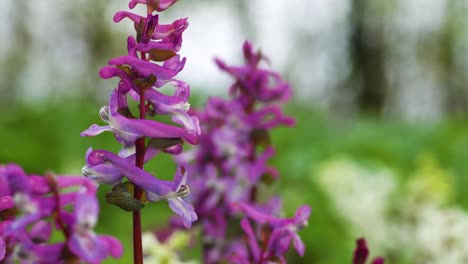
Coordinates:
<point>32,205</point>
<point>152,62</point>
<point>229,169</point>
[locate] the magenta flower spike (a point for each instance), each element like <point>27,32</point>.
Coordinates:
<point>230,166</point>
<point>152,61</point>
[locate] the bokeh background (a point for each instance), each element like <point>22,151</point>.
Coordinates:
<point>380,148</point>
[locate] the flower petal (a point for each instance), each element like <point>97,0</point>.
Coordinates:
<point>87,246</point>
<point>95,130</point>
<point>185,210</point>
<point>252,239</point>
<point>114,246</point>
<point>156,188</point>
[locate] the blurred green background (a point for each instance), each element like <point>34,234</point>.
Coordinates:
<point>380,148</point>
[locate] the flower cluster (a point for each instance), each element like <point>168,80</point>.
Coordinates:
<point>152,62</point>
<point>32,205</point>
<point>230,168</point>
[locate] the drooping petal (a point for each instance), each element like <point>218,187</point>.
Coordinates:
<point>184,210</point>
<point>154,187</point>
<point>87,246</point>
<point>125,14</point>
<point>86,208</point>
<point>279,242</point>
<point>95,130</point>
<point>297,241</point>
<point>114,246</point>
<point>251,237</point>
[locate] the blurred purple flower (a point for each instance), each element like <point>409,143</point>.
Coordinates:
<point>83,242</point>
<point>230,166</point>
<point>25,231</point>
<point>361,253</point>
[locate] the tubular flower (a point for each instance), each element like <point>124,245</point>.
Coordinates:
<point>155,189</point>
<point>31,202</point>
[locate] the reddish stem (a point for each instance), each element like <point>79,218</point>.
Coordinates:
<point>265,238</point>
<point>56,215</point>
<point>140,150</point>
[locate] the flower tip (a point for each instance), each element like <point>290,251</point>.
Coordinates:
<point>114,246</point>
<point>118,17</point>
<point>220,64</point>
<point>132,4</point>
<point>107,72</point>
<point>247,47</point>
<point>96,157</point>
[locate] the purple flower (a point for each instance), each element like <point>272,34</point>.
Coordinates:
<point>128,130</point>
<point>176,105</point>
<point>263,85</point>
<point>284,230</point>
<point>107,173</point>
<point>152,60</point>
<point>155,189</point>
<point>164,34</point>
<point>230,166</point>
<point>83,242</point>
<point>38,203</point>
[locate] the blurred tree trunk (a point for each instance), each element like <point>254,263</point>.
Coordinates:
<point>245,20</point>
<point>91,26</point>
<point>367,58</point>
<point>453,75</point>
<point>16,60</point>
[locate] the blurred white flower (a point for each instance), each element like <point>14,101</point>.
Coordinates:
<point>409,221</point>
<point>440,236</point>
<point>157,252</point>
<point>360,196</point>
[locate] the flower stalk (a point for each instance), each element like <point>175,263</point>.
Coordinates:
<point>152,62</point>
